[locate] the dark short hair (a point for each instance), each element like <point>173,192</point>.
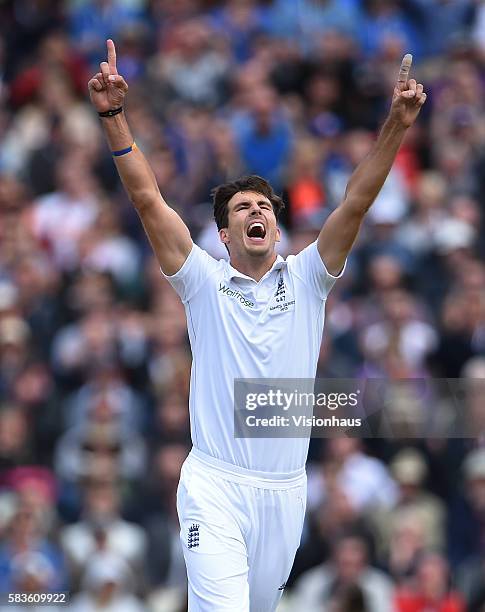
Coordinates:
<point>351,597</point>
<point>223,193</point>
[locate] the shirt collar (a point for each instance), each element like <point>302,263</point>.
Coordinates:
<point>233,273</point>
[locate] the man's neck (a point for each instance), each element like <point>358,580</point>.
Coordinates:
<point>254,267</point>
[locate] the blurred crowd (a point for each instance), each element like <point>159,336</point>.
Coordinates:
<point>94,356</point>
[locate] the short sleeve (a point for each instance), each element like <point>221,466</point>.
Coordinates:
<point>310,269</point>
<point>198,266</point>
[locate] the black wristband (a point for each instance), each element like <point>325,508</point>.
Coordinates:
<point>111,113</point>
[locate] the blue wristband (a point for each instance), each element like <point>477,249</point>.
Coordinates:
<point>124,151</point>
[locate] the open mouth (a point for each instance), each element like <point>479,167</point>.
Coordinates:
<point>256,231</point>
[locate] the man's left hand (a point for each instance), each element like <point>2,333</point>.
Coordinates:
<point>408,97</point>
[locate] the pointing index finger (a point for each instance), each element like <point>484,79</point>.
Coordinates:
<point>111,56</point>
<point>402,79</point>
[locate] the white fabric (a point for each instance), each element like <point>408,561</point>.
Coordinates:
<point>126,540</point>
<point>239,535</point>
<point>313,589</point>
<point>61,221</point>
<point>239,328</point>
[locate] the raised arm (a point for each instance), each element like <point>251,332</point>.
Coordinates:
<point>342,226</point>
<point>168,234</point>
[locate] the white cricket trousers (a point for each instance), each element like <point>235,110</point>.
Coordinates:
<point>240,530</point>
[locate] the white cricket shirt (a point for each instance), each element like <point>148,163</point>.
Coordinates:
<point>240,328</point>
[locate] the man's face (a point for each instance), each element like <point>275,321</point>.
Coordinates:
<point>251,227</point>
<point>350,559</point>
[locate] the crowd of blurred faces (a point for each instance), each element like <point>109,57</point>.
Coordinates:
<point>94,357</point>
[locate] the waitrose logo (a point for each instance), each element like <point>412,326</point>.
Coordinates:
<point>235,295</point>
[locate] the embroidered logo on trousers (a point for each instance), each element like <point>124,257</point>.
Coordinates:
<point>193,537</point>
<point>282,587</point>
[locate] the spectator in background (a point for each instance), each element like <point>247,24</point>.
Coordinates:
<point>441,23</point>
<point>410,471</point>
<point>55,58</point>
<point>382,20</point>
<point>37,285</point>
<point>470,582</point>
<point>406,548</point>
<point>103,444</point>
<point>33,574</point>
<point>169,361</point>
<point>348,568</point>
<point>349,599</point>
<point>15,448</point>
<point>415,523</point>
<point>90,337</point>
<point>400,342</point>
<point>91,22</point>
<point>417,233</point>
<point>192,126</point>
<point>304,20</point>
<point>27,557</point>
<point>363,479</point>
<point>106,249</point>
<point>101,529</point>
<point>471,387</point>
<point>48,95</point>
<point>193,69</point>
<point>391,204</point>
<point>165,563</point>
<point>263,135</point>
<point>476,605</point>
<point>172,421</point>
<point>36,492</point>
<point>478,29</point>
<point>107,586</point>
<point>241,22</point>
<point>462,318</point>
<point>336,514</point>
<point>431,589</point>
<point>15,351</point>
<point>60,219</point>
<point>306,195</point>
<point>467,513</point>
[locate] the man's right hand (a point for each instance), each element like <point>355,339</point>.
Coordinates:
<point>166,231</point>
<point>107,89</point>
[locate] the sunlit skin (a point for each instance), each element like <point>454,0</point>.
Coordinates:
<point>251,256</point>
